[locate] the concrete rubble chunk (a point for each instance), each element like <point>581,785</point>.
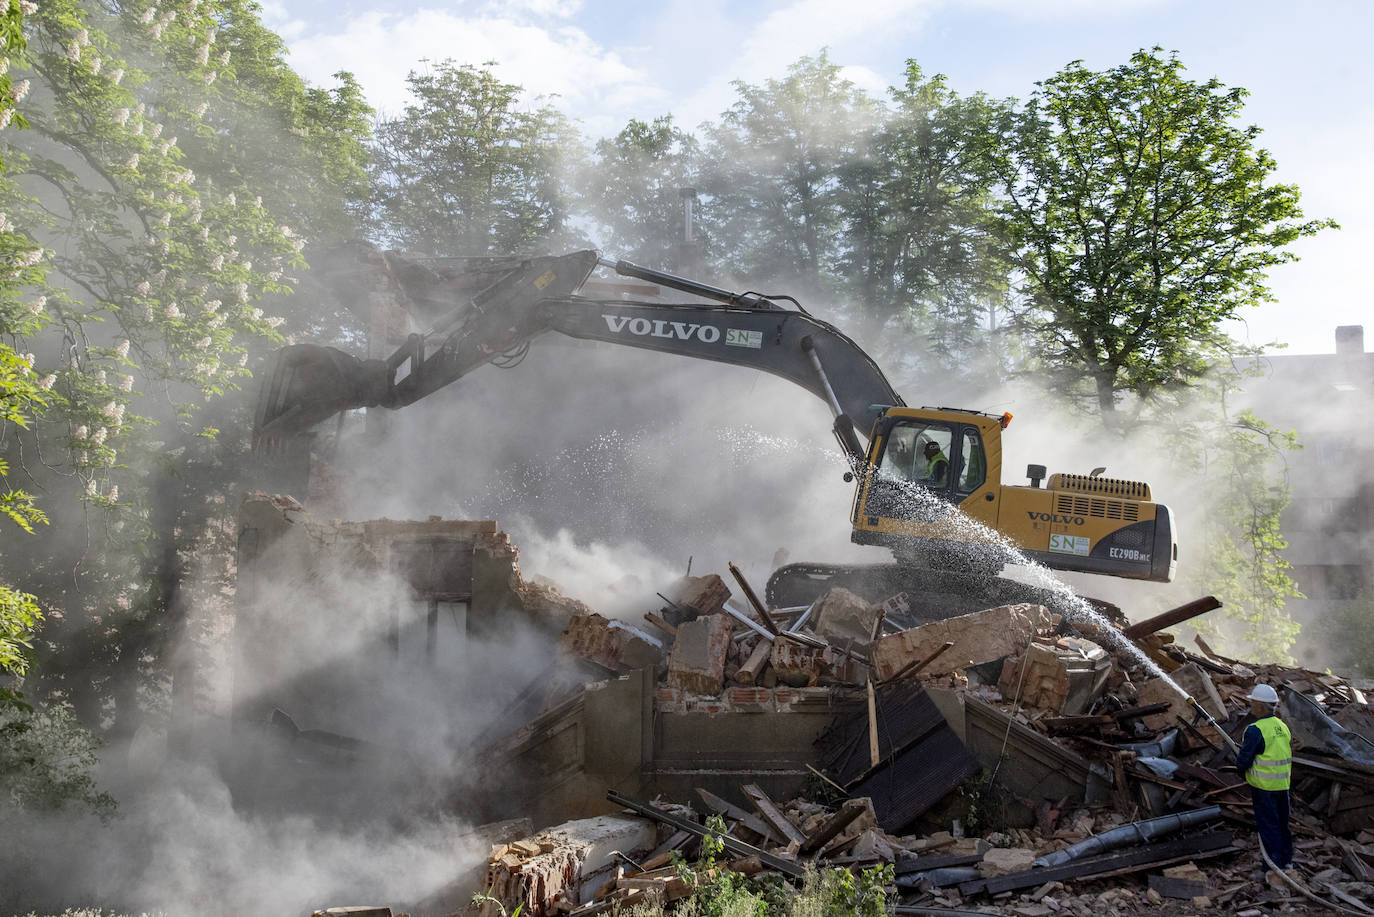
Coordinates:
<point>980,637</point>
<point>1197,683</point>
<point>609,643</point>
<point>1002,860</point>
<point>697,662</point>
<point>841,615</point>
<point>1064,677</point>
<point>874,844</point>
<point>550,881</point>
<point>1037,678</point>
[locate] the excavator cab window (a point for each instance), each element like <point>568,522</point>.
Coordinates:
<point>918,453</point>
<point>974,471</point>
<point>945,460</point>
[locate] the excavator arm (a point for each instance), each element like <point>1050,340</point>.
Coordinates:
<point>308,383</point>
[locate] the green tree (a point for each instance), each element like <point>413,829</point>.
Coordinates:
<point>1239,464</point>
<point>918,253</point>
<point>773,202</point>
<point>465,169</point>
<point>22,392</point>
<point>633,186</point>
<point>1141,218</point>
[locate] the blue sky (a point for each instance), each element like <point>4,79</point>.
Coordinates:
<point>1305,64</point>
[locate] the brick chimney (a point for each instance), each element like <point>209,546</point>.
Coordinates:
<point>1349,340</point>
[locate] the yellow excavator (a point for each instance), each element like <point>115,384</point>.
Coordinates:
<point>921,476</point>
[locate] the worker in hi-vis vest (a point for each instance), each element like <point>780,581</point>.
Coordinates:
<point>937,466</point>
<point>1266,760</point>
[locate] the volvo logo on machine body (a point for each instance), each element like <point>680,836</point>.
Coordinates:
<point>1056,517</point>
<point>662,328</point>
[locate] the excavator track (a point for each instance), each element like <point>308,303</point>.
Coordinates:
<point>932,594</point>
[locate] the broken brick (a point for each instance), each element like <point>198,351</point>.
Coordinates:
<point>707,594</point>
<point>611,644</point>
<point>697,662</point>
<point>799,665</point>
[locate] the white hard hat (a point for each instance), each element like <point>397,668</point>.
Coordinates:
<point>1264,694</point>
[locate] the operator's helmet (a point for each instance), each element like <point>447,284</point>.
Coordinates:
<point>932,449</point>
<point>1265,694</point>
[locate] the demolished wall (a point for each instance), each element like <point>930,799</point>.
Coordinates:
<point>333,616</point>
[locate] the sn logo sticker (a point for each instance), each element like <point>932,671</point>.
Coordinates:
<point>737,337</point>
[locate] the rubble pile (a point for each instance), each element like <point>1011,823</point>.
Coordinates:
<point>1006,759</point>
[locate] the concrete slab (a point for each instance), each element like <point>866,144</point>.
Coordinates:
<point>977,638</point>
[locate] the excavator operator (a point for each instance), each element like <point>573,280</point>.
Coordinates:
<point>937,466</point>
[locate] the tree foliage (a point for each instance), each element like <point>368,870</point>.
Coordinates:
<point>46,760</point>
<point>1141,217</point>
<point>773,202</point>
<point>465,169</point>
<point>633,186</point>
<point>1239,552</point>
<point>917,255</point>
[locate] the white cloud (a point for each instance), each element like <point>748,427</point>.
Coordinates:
<point>563,9</point>
<point>278,18</point>
<point>807,26</point>
<point>1048,10</point>
<point>867,79</point>
<point>562,61</point>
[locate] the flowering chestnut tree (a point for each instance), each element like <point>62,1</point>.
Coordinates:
<point>156,206</point>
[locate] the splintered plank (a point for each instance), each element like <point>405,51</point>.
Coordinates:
<point>736,814</point>
<point>832,826</point>
<point>773,815</point>
<point>734,845</point>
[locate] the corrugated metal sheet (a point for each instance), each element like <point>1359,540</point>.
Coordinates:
<point>922,757</point>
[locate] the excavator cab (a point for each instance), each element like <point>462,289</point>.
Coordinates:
<point>1082,523</point>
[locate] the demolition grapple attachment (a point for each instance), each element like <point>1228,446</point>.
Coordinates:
<point>477,310</point>
<point>305,383</point>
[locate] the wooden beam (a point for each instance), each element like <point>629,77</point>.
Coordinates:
<point>906,865</point>
<point>773,815</point>
<point>832,826</point>
<point>748,591</point>
<point>661,624</point>
<point>734,845</point>
<point>874,753</point>
<point>748,673</point>
<point>735,813</point>
<point>1173,616</point>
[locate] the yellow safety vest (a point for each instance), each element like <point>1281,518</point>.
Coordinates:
<point>1274,765</point>
<point>930,465</point>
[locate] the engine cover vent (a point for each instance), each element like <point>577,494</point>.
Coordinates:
<point>1107,487</point>
<point>1097,507</point>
